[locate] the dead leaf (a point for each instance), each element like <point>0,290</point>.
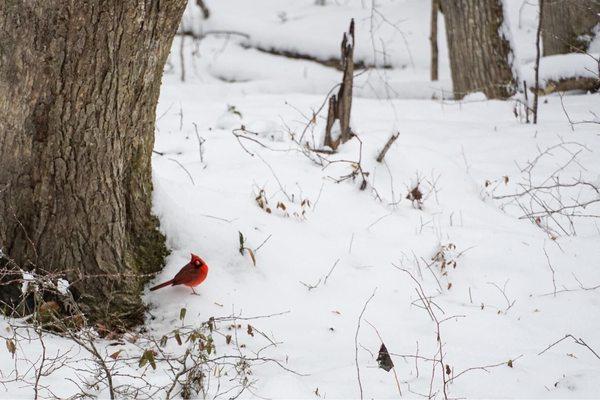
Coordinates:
<point>384,360</point>
<point>252,256</point>
<point>11,346</point>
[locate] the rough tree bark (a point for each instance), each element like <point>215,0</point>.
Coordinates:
<point>480,54</point>
<point>340,105</point>
<point>567,25</point>
<point>79,83</point>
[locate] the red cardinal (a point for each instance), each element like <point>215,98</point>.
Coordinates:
<point>192,274</point>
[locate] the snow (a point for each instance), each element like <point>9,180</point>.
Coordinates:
<point>63,286</point>
<point>300,26</point>
<point>475,96</point>
<point>505,32</point>
<point>562,66</point>
<point>319,262</point>
<point>368,235</point>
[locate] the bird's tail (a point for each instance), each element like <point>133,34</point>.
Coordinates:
<point>162,285</point>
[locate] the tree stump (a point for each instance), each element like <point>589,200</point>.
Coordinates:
<point>340,105</point>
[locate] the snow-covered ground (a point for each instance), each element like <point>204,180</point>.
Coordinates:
<point>515,288</point>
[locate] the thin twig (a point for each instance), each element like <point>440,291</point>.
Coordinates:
<point>356,343</point>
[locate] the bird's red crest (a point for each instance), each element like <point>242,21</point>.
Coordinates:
<point>197,260</point>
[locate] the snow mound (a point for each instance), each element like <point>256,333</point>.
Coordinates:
<point>562,66</point>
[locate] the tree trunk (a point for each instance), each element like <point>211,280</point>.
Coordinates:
<point>79,83</point>
<point>480,53</point>
<point>567,25</point>
<point>433,39</point>
<point>536,91</point>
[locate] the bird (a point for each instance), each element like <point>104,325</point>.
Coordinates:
<point>192,274</point>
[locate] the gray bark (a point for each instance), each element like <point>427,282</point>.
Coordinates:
<point>340,105</point>
<point>480,56</point>
<point>567,25</point>
<point>79,83</point>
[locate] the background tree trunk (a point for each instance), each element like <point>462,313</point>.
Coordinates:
<point>433,39</point>
<point>480,55</point>
<point>567,25</point>
<point>79,83</point>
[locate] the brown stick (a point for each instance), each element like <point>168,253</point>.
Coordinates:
<point>205,10</point>
<point>331,117</point>
<point>433,40</point>
<point>387,146</point>
<point>579,341</point>
<point>537,64</point>
<point>393,368</point>
<point>345,93</point>
<point>526,102</point>
<point>356,342</point>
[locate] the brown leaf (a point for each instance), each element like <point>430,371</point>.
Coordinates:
<point>11,346</point>
<point>151,360</point>
<point>147,357</point>
<point>48,308</point>
<point>510,363</point>
<point>241,238</point>
<point>250,330</point>
<point>384,360</point>
<point>163,341</point>
<point>115,355</point>
<point>252,256</point>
